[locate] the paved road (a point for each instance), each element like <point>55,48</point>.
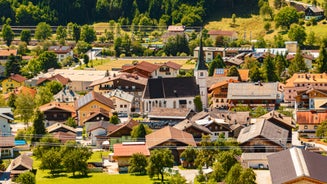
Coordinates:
<point>188,174</point>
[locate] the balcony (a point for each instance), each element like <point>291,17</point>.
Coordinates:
<point>7,141</point>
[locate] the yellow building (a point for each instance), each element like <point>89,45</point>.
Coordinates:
<point>12,82</point>
<point>90,103</point>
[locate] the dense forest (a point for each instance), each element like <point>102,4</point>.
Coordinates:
<point>126,12</point>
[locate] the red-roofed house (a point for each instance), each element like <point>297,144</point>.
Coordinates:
<point>57,112</point>
<point>12,82</point>
<point>21,90</point>
<point>63,80</point>
<point>218,93</point>
<point>309,120</point>
<point>144,69</point>
<point>5,53</point>
<point>231,35</point>
<point>123,152</point>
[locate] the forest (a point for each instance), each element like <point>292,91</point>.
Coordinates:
<point>126,12</point>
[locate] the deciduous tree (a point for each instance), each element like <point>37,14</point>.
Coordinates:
<point>322,60</point>
<point>140,131</point>
<point>286,17</point>
<point>137,164</point>
<point>7,34</point>
<point>297,33</point>
<point>43,31</point>
<point>24,104</point>
<point>159,159</point>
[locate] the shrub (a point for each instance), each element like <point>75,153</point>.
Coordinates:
<point>308,23</point>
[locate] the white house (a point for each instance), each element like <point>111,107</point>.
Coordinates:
<point>62,52</point>
<point>7,140</point>
<point>121,99</point>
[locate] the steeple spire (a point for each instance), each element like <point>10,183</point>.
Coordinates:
<point>200,64</point>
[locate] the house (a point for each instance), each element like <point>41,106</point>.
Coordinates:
<point>62,132</point>
<point>257,94</point>
<point>19,165</point>
<point>5,53</point>
<point>150,70</point>
<point>123,129</point>
<point>7,140</point>
<point>57,112</point>
<point>123,152</point>
<point>169,114</point>
<point>302,82</point>
<point>223,72</point>
<point>62,52</point>
<point>314,12</point>
<point>176,140</point>
<point>80,79</point>
<point>95,130</point>
<point>297,166</point>
<point>308,121</point>
<point>263,136</point>
<point>255,160</point>
<point>59,78</point>
<point>97,115</point>
<point>170,93</point>
<point>311,99</point>
<point>230,35</point>
<point>122,100</point>
<point>92,102</point>
<point>130,83</point>
<point>218,93</point>
<point>12,82</point>
<point>196,130</point>
<point>173,31</point>
<point>218,127</point>
<point>66,95</point>
<point>308,59</point>
<point>21,90</point>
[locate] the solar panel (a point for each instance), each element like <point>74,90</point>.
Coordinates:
<point>219,71</point>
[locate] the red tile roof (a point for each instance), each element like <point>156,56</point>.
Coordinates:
<point>8,52</point>
<point>221,32</point>
<point>145,66</point>
<point>311,117</point>
<point>17,77</point>
<point>172,65</point>
<point>58,105</point>
<point>91,96</point>
<point>58,77</point>
<point>169,133</point>
<point>129,124</point>
<point>127,150</point>
<point>23,90</point>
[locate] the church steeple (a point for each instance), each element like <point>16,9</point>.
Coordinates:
<point>200,64</point>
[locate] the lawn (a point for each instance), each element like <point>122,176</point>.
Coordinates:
<point>97,156</point>
<point>42,177</point>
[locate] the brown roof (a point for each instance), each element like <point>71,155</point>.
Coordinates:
<point>212,80</point>
<point>95,113</point>
<point>221,32</point>
<point>57,77</point>
<point>288,165</point>
<point>169,133</point>
<point>145,66</point>
<point>128,149</point>
<point>288,121</point>
<point>22,160</point>
<point>185,124</point>
<point>244,74</point>
<point>64,136</point>
<point>58,105</point>
<point>310,117</point>
<point>22,89</point>
<point>91,96</point>
<point>176,28</point>
<point>8,52</point>
<point>124,76</point>
<point>161,112</point>
<point>308,78</point>
<point>172,65</point>
<point>95,125</point>
<point>57,126</point>
<point>306,56</point>
<point>129,124</point>
<point>17,77</point>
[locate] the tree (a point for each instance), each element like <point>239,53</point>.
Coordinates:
<point>322,60</point>
<point>188,156</point>
<point>82,47</point>
<point>280,63</point>
<point>75,159</point>
<point>7,34</point>
<point>297,33</point>
<point>43,31</point>
<point>216,63</point>
<point>51,159</point>
<point>114,119</point>
<point>248,176</point>
<point>26,178</point>
<point>218,174</point>
<point>38,125</point>
<point>205,157</point>
<point>322,129</point>
<point>61,33</point>
<point>137,164</point>
<point>140,131</point>
<point>234,19</point>
<point>43,96</point>
<point>24,104</point>
<point>86,59</point>
<point>311,38</point>
<point>267,26</point>
<point>54,86</point>
<point>238,175</point>
<point>11,100</point>
<point>258,111</point>
<point>233,72</point>
<point>48,60</point>
<point>269,69</point>
<point>12,65</point>
<point>255,74</point>
<point>198,103</point>
<point>71,122</point>
<point>297,64</point>
<point>266,10</point>
<point>88,34</point>
<point>286,17</point>
<point>32,68</point>
<point>76,32</point>
<point>46,143</point>
<point>159,159</point>
<point>177,179</point>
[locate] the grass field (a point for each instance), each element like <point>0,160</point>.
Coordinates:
<point>97,156</point>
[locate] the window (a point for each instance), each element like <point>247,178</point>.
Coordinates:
<point>125,106</point>
<point>201,74</point>
<point>305,126</point>
<point>315,127</point>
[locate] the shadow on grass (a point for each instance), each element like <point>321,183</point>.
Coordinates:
<point>80,177</point>
<point>270,31</point>
<point>283,32</point>
<point>55,176</point>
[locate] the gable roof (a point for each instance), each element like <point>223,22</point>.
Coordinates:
<point>252,90</point>
<point>8,52</point>
<point>313,117</point>
<point>221,83</point>
<point>309,78</point>
<point>57,105</point>
<point>17,78</point>
<point>128,124</point>
<point>185,124</point>
<point>63,80</point>
<point>135,78</point>
<point>21,160</point>
<point>265,129</point>
<point>21,90</point>
<point>171,88</point>
<point>128,149</point>
<point>172,65</point>
<point>120,94</point>
<point>169,113</point>
<point>90,126</point>
<point>57,126</point>
<point>93,96</point>
<point>294,163</point>
<point>315,9</point>
<point>145,66</point>
<point>95,113</point>
<point>169,133</point>
<point>288,121</point>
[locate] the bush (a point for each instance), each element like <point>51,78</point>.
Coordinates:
<point>308,23</point>
<point>301,22</point>
<point>183,54</point>
<point>324,22</point>
<point>122,55</point>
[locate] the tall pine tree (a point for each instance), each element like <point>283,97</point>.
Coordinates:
<point>38,125</point>
<point>322,60</point>
<point>297,64</point>
<point>216,63</point>
<point>269,69</point>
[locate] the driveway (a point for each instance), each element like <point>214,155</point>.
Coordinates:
<point>188,174</point>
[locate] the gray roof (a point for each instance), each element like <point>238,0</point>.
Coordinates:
<point>264,129</point>
<point>187,123</point>
<point>243,91</point>
<point>120,94</point>
<point>296,163</point>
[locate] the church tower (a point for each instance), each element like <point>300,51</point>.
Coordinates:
<point>201,74</point>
